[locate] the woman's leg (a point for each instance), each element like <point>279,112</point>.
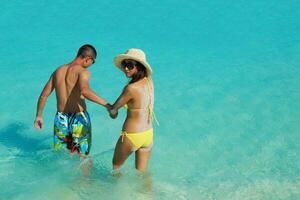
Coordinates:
<point>122,151</point>
<point>142,156</point>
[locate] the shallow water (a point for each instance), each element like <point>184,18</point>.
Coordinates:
<point>227,97</point>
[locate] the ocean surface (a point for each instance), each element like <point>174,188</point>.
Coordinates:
<point>227,80</point>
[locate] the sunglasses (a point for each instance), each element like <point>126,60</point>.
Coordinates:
<point>127,64</point>
<point>93,59</point>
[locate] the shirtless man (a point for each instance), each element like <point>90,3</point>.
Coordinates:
<point>72,125</point>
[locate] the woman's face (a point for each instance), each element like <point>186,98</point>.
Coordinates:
<point>129,67</point>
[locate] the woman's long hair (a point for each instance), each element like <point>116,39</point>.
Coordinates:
<point>140,74</point>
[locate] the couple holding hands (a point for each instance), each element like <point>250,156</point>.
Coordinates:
<point>72,125</point>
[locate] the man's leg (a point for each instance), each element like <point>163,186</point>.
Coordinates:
<point>61,133</point>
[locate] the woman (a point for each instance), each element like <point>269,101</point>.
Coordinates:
<point>137,97</point>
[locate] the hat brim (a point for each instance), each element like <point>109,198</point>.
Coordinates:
<point>118,62</point>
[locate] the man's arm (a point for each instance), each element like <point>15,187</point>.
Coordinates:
<point>84,78</point>
<point>38,123</point>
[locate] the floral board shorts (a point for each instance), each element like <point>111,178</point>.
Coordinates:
<point>73,131</point>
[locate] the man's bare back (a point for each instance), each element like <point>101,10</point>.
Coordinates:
<point>67,88</point>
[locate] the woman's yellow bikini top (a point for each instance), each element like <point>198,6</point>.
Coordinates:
<point>150,110</point>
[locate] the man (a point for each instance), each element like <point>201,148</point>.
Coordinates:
<point>72,125</point>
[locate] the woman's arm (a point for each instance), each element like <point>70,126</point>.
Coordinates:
<point>124,98</point>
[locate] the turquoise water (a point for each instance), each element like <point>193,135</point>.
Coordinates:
<point>227,98</point>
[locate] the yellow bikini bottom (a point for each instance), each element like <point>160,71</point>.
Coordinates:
<point>139,139</point>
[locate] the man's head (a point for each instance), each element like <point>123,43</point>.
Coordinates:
<point>88,54</point>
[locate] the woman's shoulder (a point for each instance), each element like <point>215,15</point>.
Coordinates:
<point>137,86</point>
<point>129,88</point>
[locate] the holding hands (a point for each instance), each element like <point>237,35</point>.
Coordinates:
<point>113,113</point>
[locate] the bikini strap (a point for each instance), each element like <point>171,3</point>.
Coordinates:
<point>123,134</point>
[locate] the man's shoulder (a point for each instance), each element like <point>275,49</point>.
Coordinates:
<point>61,68</point>
<point>84,71</point>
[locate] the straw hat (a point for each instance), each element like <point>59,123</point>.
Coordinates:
<point>133,54</point>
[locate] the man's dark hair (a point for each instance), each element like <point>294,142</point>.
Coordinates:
<point>87,50</point>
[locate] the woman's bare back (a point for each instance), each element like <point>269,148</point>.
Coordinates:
<point>138,114</point>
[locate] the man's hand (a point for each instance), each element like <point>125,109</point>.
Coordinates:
<point>38,122</point>
<point>113,113</point>
<point>108,106</point>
